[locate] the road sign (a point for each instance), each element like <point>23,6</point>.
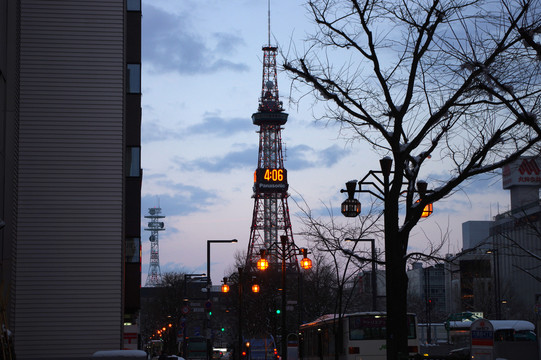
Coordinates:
<point>482,339</point>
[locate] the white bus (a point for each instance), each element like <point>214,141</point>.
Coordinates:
<point>513,339</point>
<point>363,336</point>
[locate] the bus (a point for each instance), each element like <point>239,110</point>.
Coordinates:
<point>262,348</point>
<point>438,333</point>
<point>513,339</point>
<point>196,348</point>
<point>154,348</point>
<point>363,336</point>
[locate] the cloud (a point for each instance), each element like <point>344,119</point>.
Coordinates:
<point>215,125</point>
<point>171,43</point>
<point>186,200</point>
<point>211,125</point>
<point>226,163</point>
<point>302,157</point>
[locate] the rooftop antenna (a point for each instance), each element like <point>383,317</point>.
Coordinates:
<point>268,7</point>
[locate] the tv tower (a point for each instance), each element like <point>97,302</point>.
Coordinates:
<point>270,221</point>
<point>154,277</point>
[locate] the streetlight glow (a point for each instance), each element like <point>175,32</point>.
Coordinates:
<point>262,264</point>
<point>427,211</point>
<point>225,287</point>
<point>306,263</point>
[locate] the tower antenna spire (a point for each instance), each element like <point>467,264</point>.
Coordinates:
<point>269,32</point>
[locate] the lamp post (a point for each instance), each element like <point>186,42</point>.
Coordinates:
<point>373,278</point>
<point>225,289</point>
<point>396,279</point>
<point>239,345</point>
<point>283,252</point>
<point>208,304</point>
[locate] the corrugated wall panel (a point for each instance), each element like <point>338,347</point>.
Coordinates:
<point>69,246</point>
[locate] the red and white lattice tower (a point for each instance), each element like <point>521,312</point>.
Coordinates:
<point>155,225</point>
<point>270,218</point>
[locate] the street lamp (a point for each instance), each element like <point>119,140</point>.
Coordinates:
<point>255,289</point>
<point>283,251</point>
<point>225,287</point>
<point>209,304</point>
<point>373,278</point>
<point>394,260</point>
<point>262,263</point>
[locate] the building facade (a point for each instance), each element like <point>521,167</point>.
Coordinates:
<point>70,93</point>
<point>498,272</point>
<point>427,292</point>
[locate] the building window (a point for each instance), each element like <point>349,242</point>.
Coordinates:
<point>133,77</point>
<point>133,250</point>
<point>133,161</point>
<point>133,5</point>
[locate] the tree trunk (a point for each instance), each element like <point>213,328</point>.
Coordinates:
<point>396,280</point>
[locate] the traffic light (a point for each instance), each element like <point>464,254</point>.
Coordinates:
<point>278,311</point>
<point>222,329</point>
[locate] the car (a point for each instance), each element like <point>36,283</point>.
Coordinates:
<point>218,353</point>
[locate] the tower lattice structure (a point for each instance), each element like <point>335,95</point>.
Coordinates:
<point>271,218</point>
<point>155,225</point>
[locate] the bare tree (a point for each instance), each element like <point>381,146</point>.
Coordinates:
<point>328,236</point>
<point>456,81</point>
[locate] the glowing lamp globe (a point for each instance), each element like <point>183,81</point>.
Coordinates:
<point>306,263</point>
<point>262,264</point>
<point>427,211</point>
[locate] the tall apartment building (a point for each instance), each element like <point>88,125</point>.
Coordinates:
<point>70,184</point>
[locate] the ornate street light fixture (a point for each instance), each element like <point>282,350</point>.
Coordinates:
<point>351,207</point>
<point>421,189</point>
<point>225,287</point>
<point>284,251</point>
<point>262,263</point>
<point>306,263</point>
<point>378,185</point>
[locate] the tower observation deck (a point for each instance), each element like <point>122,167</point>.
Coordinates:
<point>270,218</point>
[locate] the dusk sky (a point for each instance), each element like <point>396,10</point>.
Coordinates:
<point>202,74</point>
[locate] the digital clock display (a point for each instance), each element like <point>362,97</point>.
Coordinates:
<point>271,180</point>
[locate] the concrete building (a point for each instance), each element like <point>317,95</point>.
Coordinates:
<point>470,283</point>
<point>426,288</point>
<point>475,234</point>
<point>70,114</point>
<point>516,242</point>
<point>499,270</point>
